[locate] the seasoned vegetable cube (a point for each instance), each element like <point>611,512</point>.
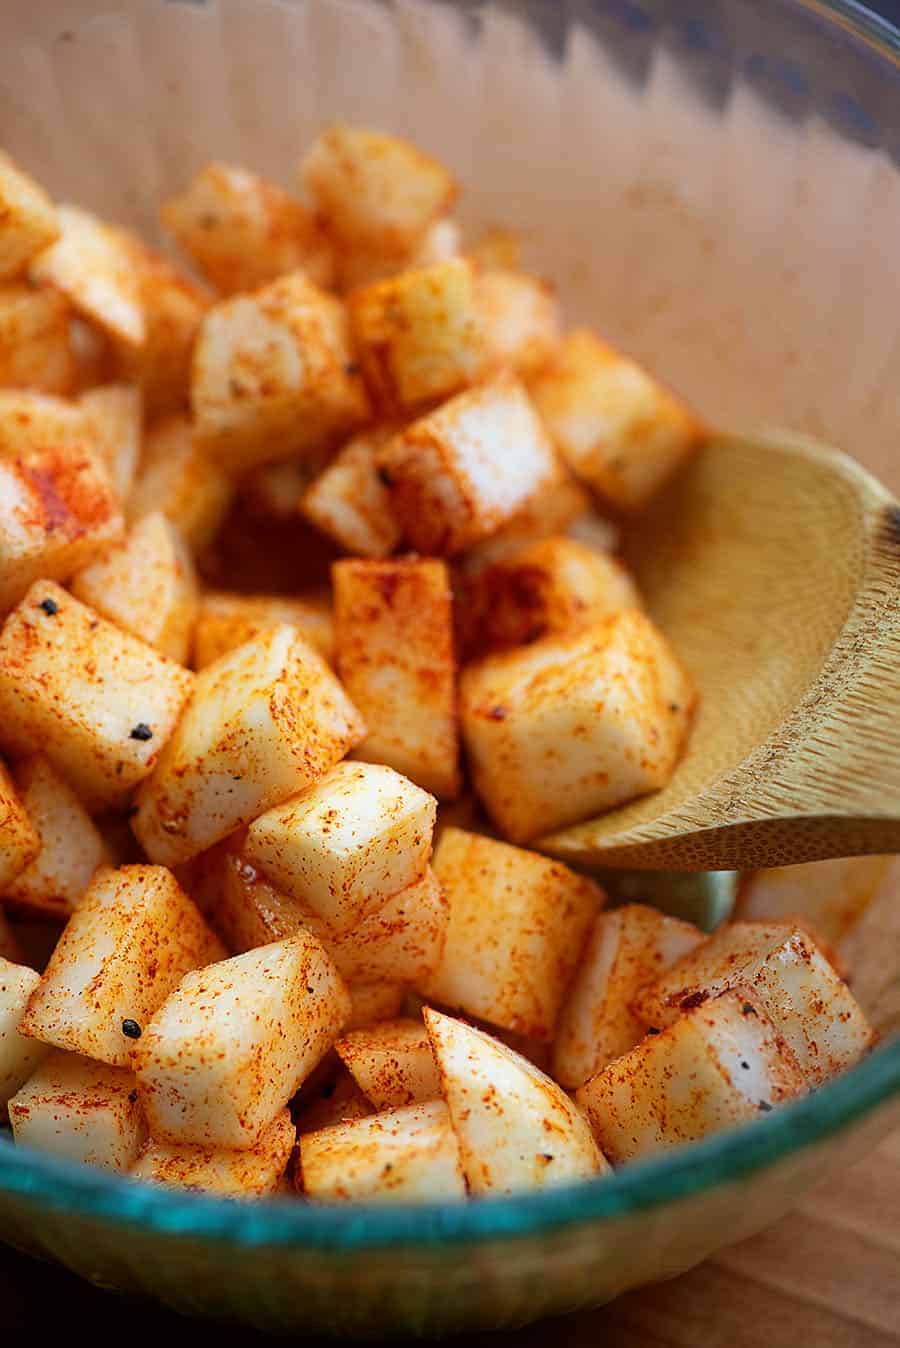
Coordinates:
<point>516,1128</point>
<point>128,944</point>
<point>254,1173</point>
<point>574,723</point>
<point>373,1002</point>
<point>71,848</point>
<point>173,311</point>
<point>418,334</point>
<point>242,231</point>
<point>97,268</point>
<point>461,472</point>
<point>618,429</point>
<point>35,351</point>
<point>560,505</point>
<point>831,896</point>
<point>20,841</point>
<point>274,375</point>
<point>806,998</point>
<point>402,942</point>
<point>30,421</point>
<point>720,1065</point>
<point>555,585</point>
<point>394,651</point>
<point>28,222</point>
<point>19,1056</point>
<point>407,1155</point>
<point>375,191</point>
<point>235,1041</point>
<point>348,843</point>
<point>265,721</point>
<point>177,478</point>
<point>146,586</point>
<point>114,422</point>
<point>518,923</point>
<point>358,266</point>
<point>350,503</point>
<point>82,1110</point>
<point>99,703</point>
<point>392,1063</point>
<point>57,513</point>
<point>626,949</point>
<point>226,621</point>
<point>520,319</point>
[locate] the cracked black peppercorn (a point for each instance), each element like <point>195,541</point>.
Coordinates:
<point>142,731</point>
<point>131,1029</point>
<point>50,606</point>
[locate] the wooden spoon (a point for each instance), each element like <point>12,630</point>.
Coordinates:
<point>773,564</point>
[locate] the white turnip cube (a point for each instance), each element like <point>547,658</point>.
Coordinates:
<point>518,924</point>
<point>520,319</point>
<point>147,586</point>
<point>114,419</point>
<point>358,836</point>
<point>516,1128</point>
<point>71,847</point>
<point>554,585</point>
<point>98,703</point>
<point>407,1155</point>
<point>274,375</point>
<point>393,628</point>
<point>460,473</point>
<point>35,351</point>
<point>242,231</point>
<point>130,941</point>
<point>19,1055</point>
<point>804,995</point>
<point>375,191</point>
<point>626,949</point>
<point>178,478</point>
<point>226,621</point>
<point>265,721</point>
<point>20,841</point>
<point>350,503</point>
<point>617,429</point>
<point>28,222</point>
<point>718,1066</point>
<point>255,1173</point>
<point>392,1063</point>
<point>58,512</point>
<point>418,334</point>
<point>82,1110</point>
<point>233,1043</point>
<point>574,724</point>
<point>97,268</point>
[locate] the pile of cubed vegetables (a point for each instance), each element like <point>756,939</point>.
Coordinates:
<point>274,914</point>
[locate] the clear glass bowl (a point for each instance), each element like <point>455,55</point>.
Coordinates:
<point>716,186</point>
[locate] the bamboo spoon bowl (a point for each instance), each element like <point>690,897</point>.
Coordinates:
<point>773,565</point>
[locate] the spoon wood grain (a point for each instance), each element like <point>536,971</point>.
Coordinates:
<point>773,564</point>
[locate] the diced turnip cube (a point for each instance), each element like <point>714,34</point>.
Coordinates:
<point>392,1063</point>
<point>82,1110</point>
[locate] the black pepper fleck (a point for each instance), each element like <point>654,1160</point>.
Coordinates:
<point>310,989</point>
<point>765,1107</point>
<point>132,1097</point>
<point>745,1065</point>
<point>141,731</point>
<point>652,1029</point>
<point>131,1029</point>
<point>748,1009</point>
<point>50,607</point>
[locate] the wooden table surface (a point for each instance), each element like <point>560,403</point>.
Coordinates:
<point>828,1276</point>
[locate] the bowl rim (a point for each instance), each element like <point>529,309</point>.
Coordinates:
<point>68,1188</point>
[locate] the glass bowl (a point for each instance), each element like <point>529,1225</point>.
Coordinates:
<point>715,186</point>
